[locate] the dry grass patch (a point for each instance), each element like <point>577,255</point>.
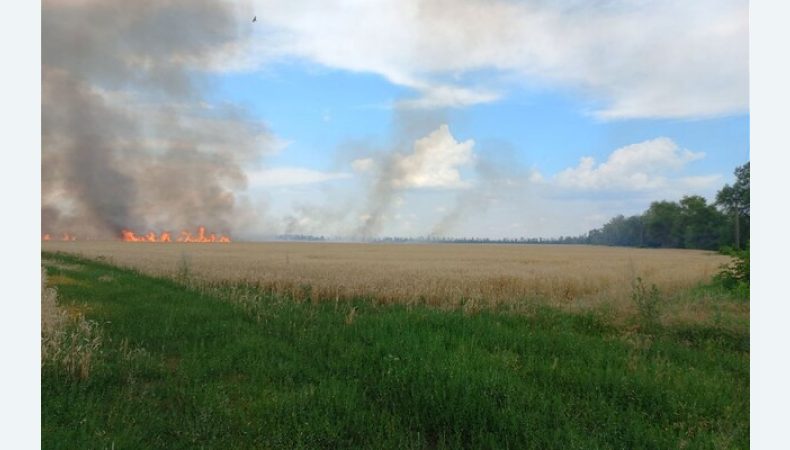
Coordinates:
<point>52,317</point>
<point>68,340</point>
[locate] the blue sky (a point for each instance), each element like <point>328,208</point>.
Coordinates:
<point>487,118</point>
<point>316,110</point>
<point>320,112</point>
<point>359,119</point>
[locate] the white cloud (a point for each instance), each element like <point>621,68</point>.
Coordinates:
<point>672,58</point>
<point>440,96</point>
<point>433,162</point>
<point>291,176</point>
<point>701,182</point>
<point>636,167</point>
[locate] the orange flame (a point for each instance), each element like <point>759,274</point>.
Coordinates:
<point>63,237</point>
<point>165,236</point>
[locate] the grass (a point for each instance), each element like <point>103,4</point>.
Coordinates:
<point>178,368</point>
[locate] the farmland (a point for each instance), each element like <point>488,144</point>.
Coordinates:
<point>389,346</point>
<point>571,277</point>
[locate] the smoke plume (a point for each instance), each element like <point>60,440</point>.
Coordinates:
<point>129,136</point>
<point>432,162</point>
<point>498,178</point>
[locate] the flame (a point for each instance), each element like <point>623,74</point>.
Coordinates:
<point>63,237</point>
<point>165,236</point>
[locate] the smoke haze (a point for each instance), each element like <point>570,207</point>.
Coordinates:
<point>128,137</point>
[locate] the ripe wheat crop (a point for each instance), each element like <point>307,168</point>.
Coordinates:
<point>441,275</point>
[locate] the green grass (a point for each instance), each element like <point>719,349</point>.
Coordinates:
<point>180,369</point>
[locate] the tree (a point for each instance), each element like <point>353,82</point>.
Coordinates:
<point>734,201</point>
<point>618,231</point>
<point>700,223</point>
<point>662,224</point>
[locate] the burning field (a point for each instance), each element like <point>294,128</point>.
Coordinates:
<point>178,136</point>
<point>185,236</point>
<point>129,141</point>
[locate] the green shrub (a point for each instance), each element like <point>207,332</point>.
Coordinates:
<point>734,276</point>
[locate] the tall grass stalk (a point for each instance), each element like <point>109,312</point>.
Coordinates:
<point>68,343</point>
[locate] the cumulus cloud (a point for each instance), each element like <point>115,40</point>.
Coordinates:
<point>433,162</point>
<point>636,167</point>
<point>635,59</point>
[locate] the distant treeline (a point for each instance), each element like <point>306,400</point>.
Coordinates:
<point>418,239</point>
<point>299,237</point>
<point>689,223</point>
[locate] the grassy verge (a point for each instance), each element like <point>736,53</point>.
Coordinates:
<point>182,369</point>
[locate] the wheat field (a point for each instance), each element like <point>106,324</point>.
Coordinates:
<point>436,274</point>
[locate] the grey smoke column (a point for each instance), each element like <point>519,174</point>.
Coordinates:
<point>408,126</point>
<point>129,139</point>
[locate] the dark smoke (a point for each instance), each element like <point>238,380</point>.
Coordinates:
<point>77,124</point>
<point>129,139</point>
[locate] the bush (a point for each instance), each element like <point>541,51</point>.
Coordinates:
<point>734,276</point>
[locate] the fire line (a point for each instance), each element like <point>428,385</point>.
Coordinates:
<point>185,236</point>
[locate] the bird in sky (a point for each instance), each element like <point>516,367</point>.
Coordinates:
<point>255,19</point>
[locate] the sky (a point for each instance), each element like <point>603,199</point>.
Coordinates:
<point>363,119</point>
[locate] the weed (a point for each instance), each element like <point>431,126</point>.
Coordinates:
<point>351,315</point>
<point>306,292</point>
<point>184,271</point>
<point>648,302</point>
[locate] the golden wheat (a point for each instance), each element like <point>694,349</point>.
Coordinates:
<point>447,274</point>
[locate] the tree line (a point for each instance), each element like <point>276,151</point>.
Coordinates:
<point>689,223</point>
